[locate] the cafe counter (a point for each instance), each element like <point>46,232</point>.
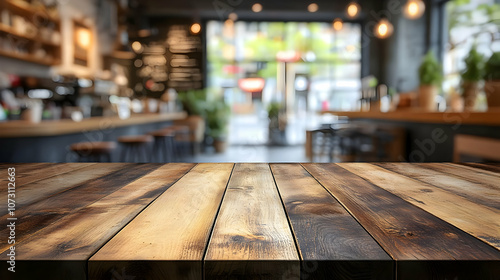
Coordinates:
<point>49,141</point>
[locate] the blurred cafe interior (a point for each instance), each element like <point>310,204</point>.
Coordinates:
<point>249,81</point>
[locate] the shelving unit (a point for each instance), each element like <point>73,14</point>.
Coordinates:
<point>29,33</point>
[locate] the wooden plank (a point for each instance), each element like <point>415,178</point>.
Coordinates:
<point>331,243</point>
<point>69,242</point>
<point>481,221</point>
<point>489,167</point>
<point>468,189</point>
<point>84,189</point>
<point>27,173</point>
<point>416,239</point>
<point>486,178</point>
<point>251,238</point>
<point>55,182</point>
<point>168,239</point>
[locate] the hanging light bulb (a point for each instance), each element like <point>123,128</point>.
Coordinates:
<point>338,24</point>
<point>195,28</point>
<point>414,9</point>
<point>353,9</point>
<point>383,29</point>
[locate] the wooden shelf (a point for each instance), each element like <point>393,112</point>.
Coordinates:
<point>29,58</point>
<point>34,42</point>
<point>26,9</point>
<point>11,31</point>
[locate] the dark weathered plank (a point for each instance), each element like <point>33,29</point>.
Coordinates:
<point>489,167</point>
<point>251,237</point>
<point>54,199</point>
<point>331,242</point>
<point>478,193</point>
<point>446,205</point>
<point>168,239</point>
<point>61,249</point>
<point>412,236</point>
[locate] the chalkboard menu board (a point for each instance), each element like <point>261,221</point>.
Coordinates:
<point>184,58</point>
<point>172,59</point>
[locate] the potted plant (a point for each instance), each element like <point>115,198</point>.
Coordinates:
<point>492,80</point>
<point>430,75</point>
<point>276,124</point>
<point>471,76</point>
<point>217,114</point>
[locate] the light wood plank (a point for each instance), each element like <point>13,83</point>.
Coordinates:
<point>476,192</point>
<point>83,188</point>
<point>73,239</point>
<point>168,239</point>
<point>476,219</point>
<point>331,242</point>
<point>251,237</point>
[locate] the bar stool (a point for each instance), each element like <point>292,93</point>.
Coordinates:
<point>163,147</point>
<point>135,147</point>
<point>94,151</point>
<point>182,140</point>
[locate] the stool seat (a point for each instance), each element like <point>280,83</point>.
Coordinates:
<point>136,147</point>
<point>135,139</point>
<point>93,150</point>
<point>162,133</point>
<point>93,147</point>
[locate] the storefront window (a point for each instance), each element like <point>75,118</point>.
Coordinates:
<point>327,63</point>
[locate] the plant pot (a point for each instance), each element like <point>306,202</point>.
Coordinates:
<point>220,146</point>
<point>470,92</point>
<point>427,97</point>
<point>492,90</point>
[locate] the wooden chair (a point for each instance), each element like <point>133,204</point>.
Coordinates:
<point>475,146</point>
<point>94,151</point>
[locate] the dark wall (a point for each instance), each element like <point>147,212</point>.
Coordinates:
<point>394,61</point>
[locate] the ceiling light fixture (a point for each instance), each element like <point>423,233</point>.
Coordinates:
<point>233,16</point>
<point>353,10</point>
<point>195,28</point>
<point>338,24</point>
<point>313,7</point>
<point>414,9</point>
<point>383,29</point>
<point>257,7</point>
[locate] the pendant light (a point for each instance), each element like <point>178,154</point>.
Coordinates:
<point>383,29</point>
<point>338,24</point>
<point>353,10</point>
<point>414,9</point>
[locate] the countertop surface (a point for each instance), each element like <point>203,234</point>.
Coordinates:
<point>490,118</point>
<point>252,221</point>
<point>13,129</point>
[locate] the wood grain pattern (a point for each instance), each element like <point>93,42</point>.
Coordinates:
<point>448,206</point>
<point>55,199</point>
<point>405,231</point>
<point>331,242</point>
<point>251,229</point>
<point>171,233</point>
<point>68,243</point>
<point>488,167</point>
<point>476,192</point>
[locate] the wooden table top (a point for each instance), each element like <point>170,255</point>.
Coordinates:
<point>11,129</point>
<point>253,221</point>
